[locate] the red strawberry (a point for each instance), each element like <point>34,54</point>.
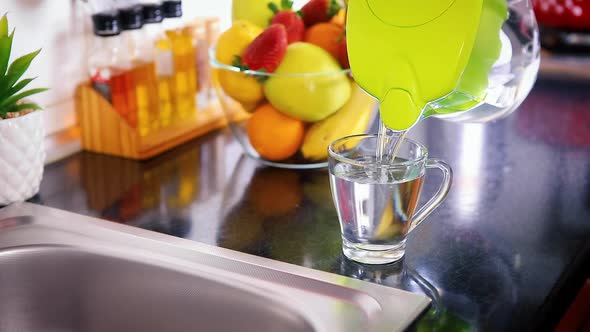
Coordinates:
<point>293,24</point>
<point>343,54</point>
<point>318,11</point>
<point>290,19</point>
<point>268,49</point>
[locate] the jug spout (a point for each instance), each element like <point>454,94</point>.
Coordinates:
<point>398,110</point>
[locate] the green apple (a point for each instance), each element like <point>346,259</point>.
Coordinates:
<point>309,84</point>
<point>255,11</point>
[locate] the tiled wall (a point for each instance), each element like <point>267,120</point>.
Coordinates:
<point>61,28</point>
<point>56,27</point>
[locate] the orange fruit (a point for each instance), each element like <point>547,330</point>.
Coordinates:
<point>274,135</point>
<point>275,192</point>
<point>327,36</point>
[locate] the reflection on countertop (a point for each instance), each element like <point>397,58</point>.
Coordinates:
<point>493,257</point>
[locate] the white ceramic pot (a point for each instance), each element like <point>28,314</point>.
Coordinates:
<point>22,156</point>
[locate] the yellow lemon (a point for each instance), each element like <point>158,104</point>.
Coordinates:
<point>234,41</point>
<point>241,87</point>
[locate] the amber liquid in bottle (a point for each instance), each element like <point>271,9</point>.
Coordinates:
<point>146,92</point>
<point>185,73</point>
<point>165,81</point>
<point>123,95</point>
<point>134,96</point>
<point>165,93</point>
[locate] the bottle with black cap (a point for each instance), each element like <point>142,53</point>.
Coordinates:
<point>172,10</point>
<point>144,72</point>
<point>109,63</point>
<point>185,69</point>
<point>152,19</point>
<point>158,43</point>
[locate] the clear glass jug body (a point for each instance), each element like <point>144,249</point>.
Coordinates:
<point>512,76</point>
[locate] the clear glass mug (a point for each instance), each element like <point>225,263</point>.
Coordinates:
<point>377,201</point>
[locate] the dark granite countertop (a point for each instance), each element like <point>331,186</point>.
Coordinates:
<point>506,251</point>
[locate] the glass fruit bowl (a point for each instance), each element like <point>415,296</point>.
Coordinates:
<point>288,118</point>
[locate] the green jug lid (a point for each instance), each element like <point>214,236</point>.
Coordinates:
<point>409,54</point>
<point>404,13</point>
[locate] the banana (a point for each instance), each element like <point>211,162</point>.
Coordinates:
<point>353,118</point>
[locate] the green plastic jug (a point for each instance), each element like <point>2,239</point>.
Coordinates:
<point>424,58</point>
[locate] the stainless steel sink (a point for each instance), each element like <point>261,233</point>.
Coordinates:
<point>65,272</point>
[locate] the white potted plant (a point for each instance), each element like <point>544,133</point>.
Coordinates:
<point>21,126</point>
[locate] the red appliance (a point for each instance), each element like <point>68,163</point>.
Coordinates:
<point>564,23</point>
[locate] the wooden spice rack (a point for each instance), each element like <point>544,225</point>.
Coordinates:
<point>104,130</point>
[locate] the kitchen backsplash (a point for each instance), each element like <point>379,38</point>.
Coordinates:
<point>61,28</point>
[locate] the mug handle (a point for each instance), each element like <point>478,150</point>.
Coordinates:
<point>440,195</point>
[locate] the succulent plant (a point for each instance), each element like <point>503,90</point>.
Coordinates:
<point>12,98</point>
